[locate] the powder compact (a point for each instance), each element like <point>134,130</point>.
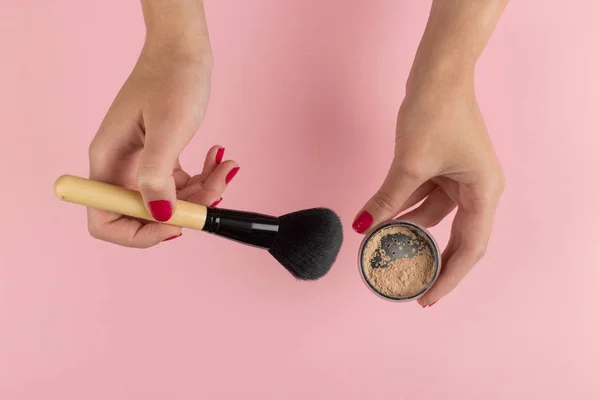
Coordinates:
<point>399,261</point>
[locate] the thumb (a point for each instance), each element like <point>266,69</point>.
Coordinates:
<point>390,199</point>
<point>155,174</point>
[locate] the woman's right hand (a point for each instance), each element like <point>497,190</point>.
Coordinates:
<point>154,116</point>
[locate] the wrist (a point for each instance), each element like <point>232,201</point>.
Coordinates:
<point>176,28</point>
<point>441,75</point>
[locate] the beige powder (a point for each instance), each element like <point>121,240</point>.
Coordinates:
<point>412,268</point>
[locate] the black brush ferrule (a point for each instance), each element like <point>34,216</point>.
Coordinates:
<point>245,227</point>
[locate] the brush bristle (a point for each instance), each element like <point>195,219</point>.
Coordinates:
<point>308,242</point>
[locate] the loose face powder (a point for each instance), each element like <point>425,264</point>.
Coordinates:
<point>399,260</point>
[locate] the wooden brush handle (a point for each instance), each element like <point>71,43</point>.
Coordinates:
<point>107,197</point>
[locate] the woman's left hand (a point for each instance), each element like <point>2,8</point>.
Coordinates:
<point>443,156</point>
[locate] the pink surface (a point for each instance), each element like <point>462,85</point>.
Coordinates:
<point>304,98</point>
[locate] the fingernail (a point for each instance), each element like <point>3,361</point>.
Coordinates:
<point>216,203</point>
<point>231,174</point>
<point>431,305</point>
<point>220,154</point>
<point>363,222</point>
<point>161,210</point>
<point>172,237</point>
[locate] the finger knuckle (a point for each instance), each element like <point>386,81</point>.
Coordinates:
<point>148,178</point>
<point>495,183</point>
<point>94,231</point>
<point>476,251</point>
<point>501,183</point>
<point>137,245</point>
<point>384,201</point>
<point>97,151</point>
<point>487,196</point>
<point>131,240</point>
<point>411,169</point>
<point>451,282</point>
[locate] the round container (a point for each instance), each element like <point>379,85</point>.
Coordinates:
<point>423,238</point>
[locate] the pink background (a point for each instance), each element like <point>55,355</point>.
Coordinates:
<point>304,98</point>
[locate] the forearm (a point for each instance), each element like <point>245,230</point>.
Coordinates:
<point>176,26</point>
<point>456,34</point>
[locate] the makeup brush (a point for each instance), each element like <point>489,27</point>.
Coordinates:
<point>305,242</point>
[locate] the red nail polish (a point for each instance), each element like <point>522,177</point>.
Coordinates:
<point>363,222</point>
<point>172,237</point>
<point>431,305</point>
<point>220,154</point>
<point>231,174</point>
<point>216,203</point>
<point>161,210</point>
